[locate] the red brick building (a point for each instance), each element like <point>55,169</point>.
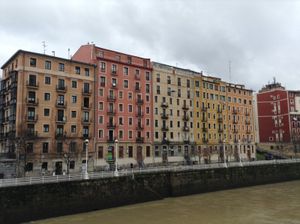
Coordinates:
<point>278,113</point>
<point>123,111</point>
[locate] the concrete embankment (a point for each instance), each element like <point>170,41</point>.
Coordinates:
<point>31,202</point>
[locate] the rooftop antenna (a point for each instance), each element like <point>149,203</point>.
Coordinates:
<point>274,80</point>
<point>68,53</point>
<point>229,70</point>
<point>44,46</point>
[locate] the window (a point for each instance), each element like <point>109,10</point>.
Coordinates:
<point>100,152</point>
<point>125,84</point>
<point>29,167</point>
<point>120,107</point>
<point>102,66</point>
<point>46,128</point>
<point>100,92</point>
<point>121,152</point>
<point>130,108</point>
<point>120,94</point>
<point>44,166</point>
<point>72,165</point>
<point>130,134</point>
<point>86,87</point>
<point>148,76</point>
<point>32,80</point>
<point>77,69</point>
<point>47,96</point>
<point>48,65</point>
<point>130,151</point>
<point>59,147</point>
<point>87,72</point>
<point>100,133</point>
<point>100,107</point>
<point>147,88</point>
<point>61,67</point>
<point>114,68</point>
<point>46,112</point>
<point>73,114</point>
<point>73,128</point>
<point>130,96</point>
<point>32,62</point>
<point>120,134</point>
<point>47,80</point>
<point>102,81</point>
<point>100,119</point>
<point>74,84</point>
<point>29,147</point>
<point>74,99</point>
<point>130,121</point>
<point>125,71</point>
<point>120,120</point>
<point>45,147</point>
<point>157,77</point>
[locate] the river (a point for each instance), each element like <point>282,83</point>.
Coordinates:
<point>273,203</point>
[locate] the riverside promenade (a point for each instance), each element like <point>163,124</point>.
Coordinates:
<point>32,198</point>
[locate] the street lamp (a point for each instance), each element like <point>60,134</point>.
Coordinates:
<point>86,143</point>
<point>239,148</point>
<point>116,173</point>
<point>224,154</point>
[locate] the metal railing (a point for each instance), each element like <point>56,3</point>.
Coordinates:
<point>128,172</point>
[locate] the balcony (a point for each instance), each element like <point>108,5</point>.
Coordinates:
<point>111,125</point>
<point>111,112</point>
<point>61,104</point>
<point>185,107</point>
<point>110,139</point>
<point>165,128</point>
<point>86,121</point>
<point>85,136</point>
<point>235,130</point>
<point>185,117</point>
<point>204,119</point>
<point>137,89</point>
<point>102,84</point>
<point>32,101</point>
<point>139,127</point>
<point>32,85</point>
<point>31,118</point>
<point>86,92</point>
<point>185,128</point>
<point>219,110</point>
<point>248,131</point>
<point>114,86</point>
<point>60,135</point>
<point>234,121</point>
<point>139,139</point>
<point>234,111</point>
<point>203,109</point>
<point>139,102</point>
<point>204,129</point>
<point>247,122</point>
<point>186,141</point>
<point>220,130</point>
<point>247,113</point>
<point>164,104</point>
<point>61,119</point>
<point>111,98</point>
<point>114,73</point>
<point>165,141</point>
<point>204,140</point>
<point>31,134</point>
<point>220,119</point>
<point>164,116</point>
<point>86,106</point>
<point>61,88</point>
<point>139,114</point>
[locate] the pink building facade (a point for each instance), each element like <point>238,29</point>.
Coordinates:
<point>123,107</point>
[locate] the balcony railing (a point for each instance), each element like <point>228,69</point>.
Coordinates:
<point>60,135</point>
<point>139,139</point>
<point>31,118</point>
<point>32,101</point>
<point>86,121</point>
<point>234,121</point>
<point>31,133</point>
<point>185,107</point>
<point>185,117</point>
<point>185,128</point>
<point>111,112</point>
<point>61,88</point>
<point>111,98</point>
<point>114,73</point>
<point>205,140</point>
<point>220,119</point>
<point>137,76</point>
<point>111,125</point>
<point>61,119</point>
<point>137,88</point>
<point>204,129</point>
<point>110,139</point>
<point>139,102</point>
<point>86,106</point>
<point>247,122</point>
<point>220,130</point>
<point>139,114</point>
<point>219,110</point>
<point>204,119</point>
<point>203,109</point>
<point>86,92</point>
<point>114,86</point>
<point>165,128</point>
<point>234,111</point>
<point>235,130</point>
<point>32,85</point>
<point>61,104</point>
<point>164,116</point>
<point>164,104</point>
<point>139,127</point>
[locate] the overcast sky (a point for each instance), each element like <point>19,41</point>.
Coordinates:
<point>260,38</point>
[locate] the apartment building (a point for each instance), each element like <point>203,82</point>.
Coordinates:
<point>278,112</point>
<point>46,112</point>
<point>240,123</point>
<point>124,114</point>
<point>210,117</point>
<point>173,114</point>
